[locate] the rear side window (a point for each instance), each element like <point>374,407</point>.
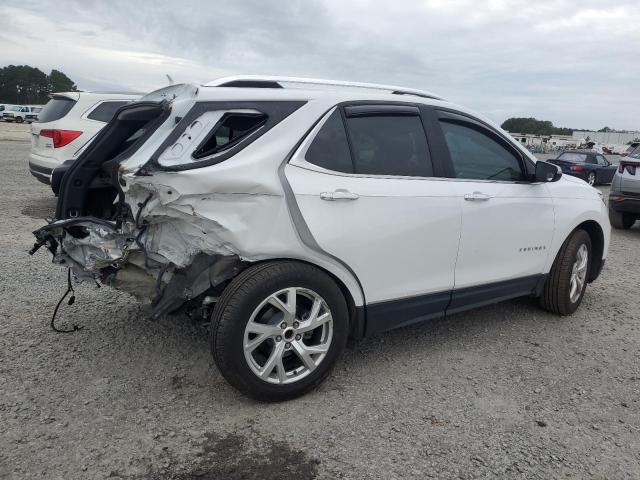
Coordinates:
<point>475,155</point>
<point>229,131</point>
<point>55,109</point>
<point>330,148</point>
<point>389,145</point>
<point>105,111</point>
<point>573,157</point>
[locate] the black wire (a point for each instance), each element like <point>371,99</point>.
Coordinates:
<point>71,301</point>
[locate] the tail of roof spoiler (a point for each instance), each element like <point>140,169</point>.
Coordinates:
<point>171,92</point>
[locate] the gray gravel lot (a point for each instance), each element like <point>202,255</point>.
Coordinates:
<point>507,391</point>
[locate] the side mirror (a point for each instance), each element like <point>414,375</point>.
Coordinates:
<point>547,172</point>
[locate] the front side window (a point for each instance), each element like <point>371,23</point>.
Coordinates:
<point>389,145</point>
<point>105,111</point>
<point>475,155</point>
<point>330,148</point>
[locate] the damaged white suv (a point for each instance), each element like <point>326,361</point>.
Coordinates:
<point>297,213</point>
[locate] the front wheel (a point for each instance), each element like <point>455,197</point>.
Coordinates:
<point>278,329</point>
<point>567,279</point>
<point>19,120</point>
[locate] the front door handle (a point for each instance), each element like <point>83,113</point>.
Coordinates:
<point>339,194</point>
<point>477,197</point>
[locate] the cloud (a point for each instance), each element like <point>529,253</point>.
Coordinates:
<point>573,62</point>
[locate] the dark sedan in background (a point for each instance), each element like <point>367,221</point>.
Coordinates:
<point>590,166</point>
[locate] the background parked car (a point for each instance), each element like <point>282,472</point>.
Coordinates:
<point>32,116</point>
<point>624,199</point>
<point>590,166</point>
<point>68,122</point>
<point>15,113</point>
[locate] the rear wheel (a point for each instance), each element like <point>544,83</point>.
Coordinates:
<point>621,220</point>
<point>591,178</point>
<point>278,329</point>
<point>567,280</point>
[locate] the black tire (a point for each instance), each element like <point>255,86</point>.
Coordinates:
<point>19,120</point>
<point>621,220</point>
<point>591,178</point>
<point>555,296</point>
<point>238,301</point>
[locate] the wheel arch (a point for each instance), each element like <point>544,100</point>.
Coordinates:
<point>596,234</point>
<point>356,313</point>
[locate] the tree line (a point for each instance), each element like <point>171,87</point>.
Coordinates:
<point>23,84</point>
<point>534,127</point>
<point>544,127</point>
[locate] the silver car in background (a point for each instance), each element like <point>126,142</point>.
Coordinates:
<point>624,199</point>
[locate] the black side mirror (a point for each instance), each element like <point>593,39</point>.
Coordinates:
<point>547,172</point>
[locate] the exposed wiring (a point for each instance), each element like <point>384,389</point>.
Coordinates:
<point>71,301</point>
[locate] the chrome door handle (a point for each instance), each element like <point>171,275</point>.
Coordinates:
<point>477,197</point>
<point>339,194</point>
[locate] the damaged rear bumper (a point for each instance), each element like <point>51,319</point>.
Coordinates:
<point>99,250</point>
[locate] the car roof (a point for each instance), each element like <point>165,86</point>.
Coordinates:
<point>588,152</point>
<point>99,95</point>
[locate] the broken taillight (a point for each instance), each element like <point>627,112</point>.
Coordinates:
<point>60,137</point>
<point>630,167</point>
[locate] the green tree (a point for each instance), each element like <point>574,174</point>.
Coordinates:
<point>534,126</point>
<point>22,84</point>
<point>59,82</point>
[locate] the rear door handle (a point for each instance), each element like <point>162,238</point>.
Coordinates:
<point>339,194</point>
<point>477,197</point>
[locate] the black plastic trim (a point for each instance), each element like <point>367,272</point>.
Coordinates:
<point>383,316</point>
<point>252,84</point>
<point>380,110</point>
<point>276,111</point>
<point>472,297</point>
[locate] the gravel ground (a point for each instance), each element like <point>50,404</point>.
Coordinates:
<point>506,391</point>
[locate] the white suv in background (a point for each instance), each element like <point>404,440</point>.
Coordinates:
<point>296,213</point>
<point>67,122</point>
<point>15,113</point>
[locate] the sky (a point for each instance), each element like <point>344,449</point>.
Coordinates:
<point>574,62</point>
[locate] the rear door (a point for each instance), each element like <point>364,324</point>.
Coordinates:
<point>370,195</point>
<point>507,220</point>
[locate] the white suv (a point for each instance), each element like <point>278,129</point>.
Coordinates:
<point>67,122</point>
<point>297,213</point>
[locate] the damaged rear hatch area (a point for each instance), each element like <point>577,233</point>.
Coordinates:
<point>104,228</point>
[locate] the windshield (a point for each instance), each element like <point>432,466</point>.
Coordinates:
<point>635,153</point>
<point>574,157</point>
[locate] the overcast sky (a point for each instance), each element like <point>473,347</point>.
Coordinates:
<point>574,62</point>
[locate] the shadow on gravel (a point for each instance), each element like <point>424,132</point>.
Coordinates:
<point>40,208</point>
<point>234,457</point>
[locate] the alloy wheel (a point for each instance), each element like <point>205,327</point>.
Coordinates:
<point>591,179</point>
<point>288,335</point>
<point>579,273</point>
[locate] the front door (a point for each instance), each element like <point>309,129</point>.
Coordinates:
<point>507,220</point>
